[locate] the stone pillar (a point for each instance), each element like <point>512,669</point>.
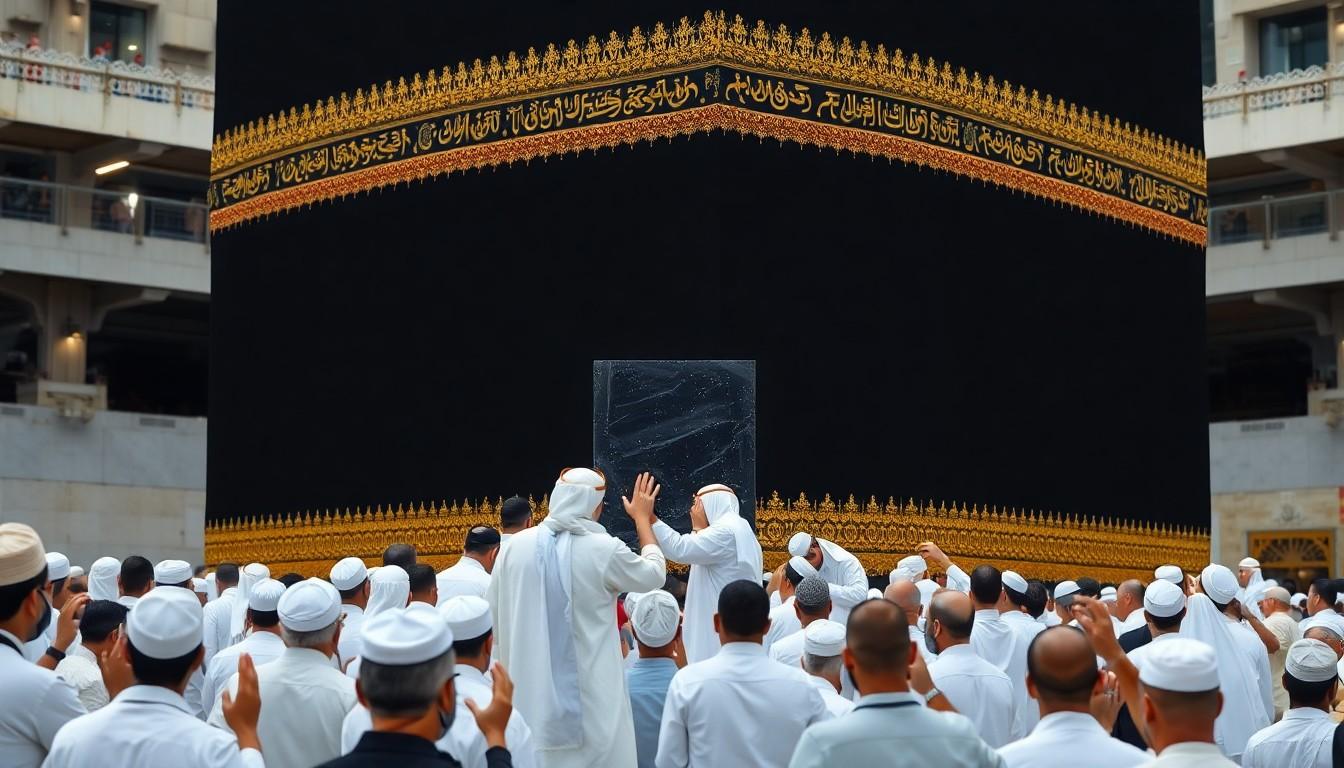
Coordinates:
<point>63,346</point>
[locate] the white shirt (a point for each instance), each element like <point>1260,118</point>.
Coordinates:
<point>789,650</point>
<point>465,577</point>
<point>217,615</point>
<point>712,555</point>
<point>993,640</point>
<point>1133,621</point>
<point>80,669</point>
<point>1302,739</point>
<point>978,690</point>
<point>148,727</point>
<point>1028,711</point>
<point>845,575</point>
<point>351,642</point>
<point>35,703</point>
<point>783,622</point>
<point>1287,632</point>
<point>737,708</point>
<point>304,700</point>
<point>464,740</point>
<point>1191,754</point>
<point>263,646</point>
<point>1049,619</point>
<point>128,600</point>
<point>836,704</point>
<point>1070,739</point>
<point>1259,657</point>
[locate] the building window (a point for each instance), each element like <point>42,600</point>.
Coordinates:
<point>1293,41</point>
<point>1208,56</point>
<point>117,33</point>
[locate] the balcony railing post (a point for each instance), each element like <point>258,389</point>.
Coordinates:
<point>63,209</point>
<point>1331,222</point>
<point>138,222</point>
<point>1269,224</point>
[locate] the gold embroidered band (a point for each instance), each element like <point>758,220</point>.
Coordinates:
<point>713,76</point>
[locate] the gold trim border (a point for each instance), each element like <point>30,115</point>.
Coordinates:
<point>708,118</point>
<point>1040,545</point>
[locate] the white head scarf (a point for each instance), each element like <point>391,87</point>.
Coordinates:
<point>247,577</point>
<point>211,588</point>
<point>723,510</point>
<point>103,578</point>
<point>1242,713</point>
<point>389,587</point>
<point>576,495</point>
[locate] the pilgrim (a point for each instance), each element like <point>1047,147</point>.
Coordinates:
<point>838,568</point>
<point>350,577</point>
<point>1303,738</point>
<point>262,642</point>
<point>470,575</point>
<point>656,624</point>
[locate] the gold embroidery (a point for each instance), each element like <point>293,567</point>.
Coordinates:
<point>712,39</point>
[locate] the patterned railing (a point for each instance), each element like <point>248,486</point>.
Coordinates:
<point>1036,544</point>
<point>1282,89</point>
<point>110,78</point>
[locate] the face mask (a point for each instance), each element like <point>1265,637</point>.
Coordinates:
<point>930,643</point>
<point>446,721</point>
<point>847,682</point>
<point>44,621</point>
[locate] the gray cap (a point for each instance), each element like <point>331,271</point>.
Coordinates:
<point>812,592</point>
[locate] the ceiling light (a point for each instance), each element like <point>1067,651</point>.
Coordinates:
<point>132,47</point>
<point>110,167</point>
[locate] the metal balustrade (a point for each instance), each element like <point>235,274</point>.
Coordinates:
<point>1276,218</point>
<point>127,213</point>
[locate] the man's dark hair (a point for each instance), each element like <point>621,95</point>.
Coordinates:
<point>13,595</point>
<point>877,635</point>
<point>793,576</point>
<point>1166,622</point>
<point>744,608</point>
<point>471,646</point>
<point>514,512</point>
<point>100,617</point>
<point>986,584</point>
<point>57,585</point>
<point>399,554</point>
<point>347,594</point>
<point>674,586</point>
<point>79,587</point>
<point>198,572</point>
<point>1052,676</point>
<point>290,579</point>
<point>226,575</point>
<point>137,574</point>
<point>1305,694</point>
<point>422,577</point>
<point>1088,586</point>
<point>958,626</point>
<point>1036,598</point>
<point>1326,588</point>
<point>166,673</point>
<point>264,619</point>
<point>481,539</point>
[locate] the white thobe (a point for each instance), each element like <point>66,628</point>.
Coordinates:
<point>1259,658</point>
<point>1070,739</point>
<point>957,578</point>
<point>1287,632</point>
<point>836,704</point>
<point>216,616</point>
<point>845,575</point>
<point>352,633</point>
<point>601,568</point>
<point>993,640</point>
<point>789,650</point>
<point>978,690</point>
<point>712,555</point>
<point>783,622</point>
<point>304,700</point>
<point>465,577</point>
<point>1133,621</point>
<point>1027,711</point>
<point>33,707</point>
<point>128,601</point>
<point>264,647</point>
<point>1049,619</point>
<point>737,708</point>
<point>192,694</point>
<point>148,727</point>
<point>1302,739</point>
<point>80,669</point>
<point>464,740</point>
<point>1191,754</point>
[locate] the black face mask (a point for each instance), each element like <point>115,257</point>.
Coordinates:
<point>446,721</point>
<point>930,643</point>
<point>43,622</point>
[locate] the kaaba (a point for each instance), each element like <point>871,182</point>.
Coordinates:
<point>962,245</point>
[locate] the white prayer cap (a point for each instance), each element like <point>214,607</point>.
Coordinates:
<point>467,615</point>
<point>765,579</point>
<point>1065,590</point>
<point>404,636</point>
<point>1163,599</point>
<point>631,600</point>
<point>909,568</point>
<point>1328,620</point>
<point>76,571</point>
<point>257,570</point>
<point>265,595</point>
<point>874,593</point>
<point>1182,665</point>
<point>103,578</point>
<point>166,623</point>
<point>172,572</point>
<point>1171,573</point>
<point>1248,562</point>
<point>1278,593</point>
<point>1108,595</point>
<point>21,554</point>
<point>310,605</point>
<point>656,618</point>
<point>1311,661</point>
<point>348,573</point>
<point>801,567</point>
<point>824,637</point>
<point>58,566</point>
<point>1014,581</point>
<point>1299,599</point>
<point>799,543</point>
<point>1218,583</point>
<point>200,586</point>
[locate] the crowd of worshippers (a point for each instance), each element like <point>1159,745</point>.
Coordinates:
<point>618,663</point>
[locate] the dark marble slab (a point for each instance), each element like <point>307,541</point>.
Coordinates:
<point>689,422</point>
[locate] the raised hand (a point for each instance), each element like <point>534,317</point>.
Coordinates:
<point>640,506</point>
<point>115,665</point>
<point>699,521</point>
<point>930,551</point>
<point>67,626</point>
<point>243,710</point>
<point>1095,620</point>
<point>1105,704</point>
<point>493,720</point>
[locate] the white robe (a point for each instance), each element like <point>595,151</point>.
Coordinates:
<point>713,556</point>
<point>602,567</point>
<point>846,577</point>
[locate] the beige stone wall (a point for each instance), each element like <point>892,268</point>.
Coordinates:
<point>1237,515</point>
